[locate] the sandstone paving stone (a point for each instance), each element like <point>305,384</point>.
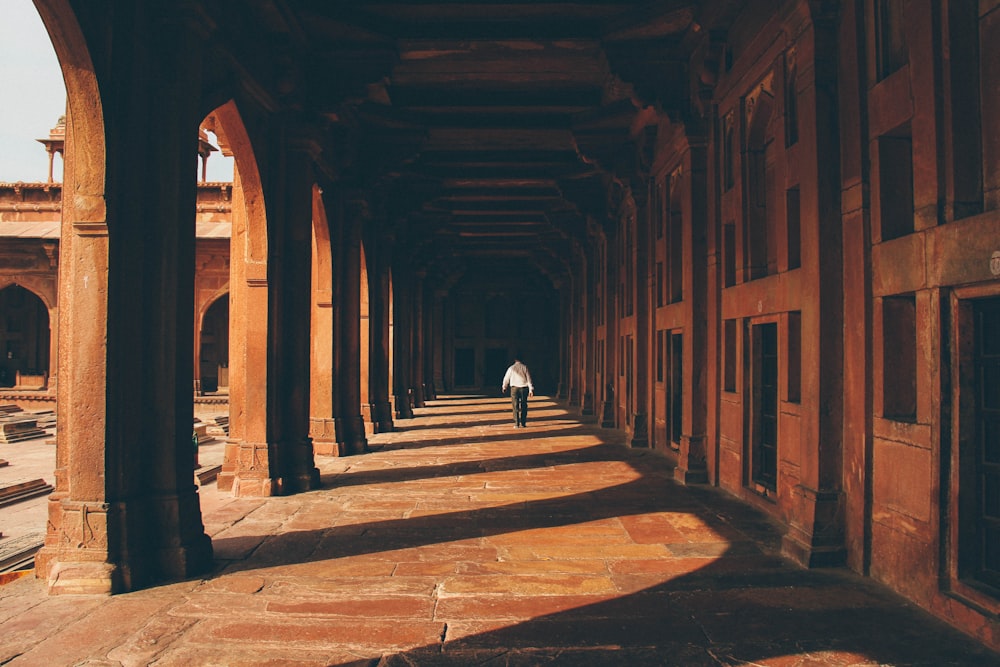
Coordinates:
<point>92,635</point>
<point>299,587</point>
<point>214,656</point>
<point>527,585</point>
<point>462,545</point>
<point>150,641</point>
<point>402,607</point>
<point>310,633</point>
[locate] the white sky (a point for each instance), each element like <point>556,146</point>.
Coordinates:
<point>32,97</point>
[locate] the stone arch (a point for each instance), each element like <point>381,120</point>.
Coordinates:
<point>322,388</point>
<point>249,310</point>
<point>365,347</point>
<point>40,286</point>
<point>392,344</point>
<point>85,156</point>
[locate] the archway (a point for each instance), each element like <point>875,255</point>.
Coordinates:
<point>322,388</point>
<point>365,322</point>
<point>24,339</point>
<point>249,307</point>
<point>213,348</point>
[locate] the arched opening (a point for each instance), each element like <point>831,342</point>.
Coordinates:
<point>322,389</point>
<point>213,348</point>
<point>249,370</point>
<point>367,400</point>
<point>24,339</point>
<point>392,350</point>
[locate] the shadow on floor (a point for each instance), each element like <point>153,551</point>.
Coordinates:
<point>746,606</point>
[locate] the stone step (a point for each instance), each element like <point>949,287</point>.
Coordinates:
<point>207,474</point>
<point>17,553</point>
<point>17,429</point>
<point>9,408</point>
<point>18,490</point>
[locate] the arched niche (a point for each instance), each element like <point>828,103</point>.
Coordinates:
<point>212,349</point>
<point>25,338</point>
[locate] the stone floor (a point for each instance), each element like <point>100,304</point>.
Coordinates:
<point>461,540</point>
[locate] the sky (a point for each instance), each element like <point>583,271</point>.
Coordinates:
<point>33,97</point>
<point>32,93</point>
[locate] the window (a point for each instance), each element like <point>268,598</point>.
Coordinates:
<point>728,158</point>
<point>794,231</point>
<point>899,358</point>
<point>729,254</point>
<point>890,37</point>
<point>895,178</point>
<point>764,406</point>
<point>676,230</point>
<point>791,105</point>
<point>793,363</point>
<point>729,371</point>
<point>676,398</point>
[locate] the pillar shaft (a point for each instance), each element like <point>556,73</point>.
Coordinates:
<point>349,422</point>
<point>125,512</point>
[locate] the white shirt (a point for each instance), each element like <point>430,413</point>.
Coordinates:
<point>517,376</point>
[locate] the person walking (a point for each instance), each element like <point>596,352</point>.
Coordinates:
<point>518,378</point>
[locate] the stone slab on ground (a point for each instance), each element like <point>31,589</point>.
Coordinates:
<point>18,490</point>
<point>18,429</point>
<point>461,540</point>
<point>18,552</point>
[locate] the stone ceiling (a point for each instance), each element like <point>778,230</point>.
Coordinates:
<point>487,130</point>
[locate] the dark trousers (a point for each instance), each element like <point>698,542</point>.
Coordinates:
<point>519,402</point>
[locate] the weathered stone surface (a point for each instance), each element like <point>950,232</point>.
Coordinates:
<point>572,580</point>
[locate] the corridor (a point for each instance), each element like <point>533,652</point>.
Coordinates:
<point>461,540</point>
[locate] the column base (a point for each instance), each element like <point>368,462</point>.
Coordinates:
<point>688,476</point>
<point>640,432</point>
<point>574,397</point>
<point>403,408</point>
<point>383,417</point>
<point>351,436</point>
<point>77,556</point>
<point>821,543</point>
<point>419,400</point>
<point>608,415</point>
<point>691,467</point>
<point>588,404</point>
<point>323,432</point>
<point>245,468</point>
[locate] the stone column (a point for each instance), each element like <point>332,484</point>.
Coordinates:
<point>350,424</point>
<point>642,356</point>
<point>246,461</point>
<point>566,336</point>
<point>590,327</point>
<point>691,459</point>
<point>577,297</point>
<point>431,344</point>
<point>125,512</point>
<point>402,325</point>
<point>417,333</point>
<point>610,371</point>
<point>378,383</point>
<point>288,392</point>
<point>816,527</point>
<point>437,323</point>
<point>322,391</point>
